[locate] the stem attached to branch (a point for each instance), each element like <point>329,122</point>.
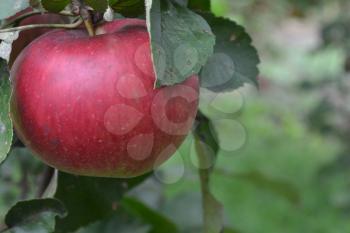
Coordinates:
<point>32,26</point>
<point>80,8</point>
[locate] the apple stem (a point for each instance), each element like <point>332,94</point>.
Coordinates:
<point>89,26</point>
<point>80,8</point>
<point>32,26</point>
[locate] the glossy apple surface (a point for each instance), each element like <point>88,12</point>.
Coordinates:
<point>25,37</point>
<point>87,105</point>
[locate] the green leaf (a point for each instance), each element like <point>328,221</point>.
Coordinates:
<point>89,199</point>
<point>203,5</point>
<point>34,215</point>
<point>98,5</point>
<point>181,41</point>
<point>55,5</point>
<point>234,61</point>
<point>6,131</point>
<point>116,223</point>
<point>159,223</point>
<point>11,7</point>
<point>129,8</point>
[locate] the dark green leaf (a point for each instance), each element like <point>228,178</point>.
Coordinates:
<point>181,41</point>
<point>234,61</point>
<point>159,223</point>
<point>203,5</point>
<point>34,215</point>
<point>117,223</point>
<point>98,5</point>
<point>89,199</point>
<point>129,8</point>
<point>11,7</point>
<point>55,5</point>
<point>6,131</point>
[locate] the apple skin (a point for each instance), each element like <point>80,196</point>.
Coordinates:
<point>25,37</point>
<point>88,106</point>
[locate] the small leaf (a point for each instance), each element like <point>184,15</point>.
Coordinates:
<point>89,199</point>
<point>159,223</point>
<point>234,61</point>
<point>98,5</point>
<point>6,131</point>
<point>129,8</point>
<point>203,5</point>
<point>34,215</point>
<point>181,41</point>
<point>55,5</point>
<point>11,7</point>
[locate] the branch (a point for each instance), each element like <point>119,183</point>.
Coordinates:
<point>26,15</point>
<point>32,26</point>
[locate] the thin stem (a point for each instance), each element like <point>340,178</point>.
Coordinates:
<point>89,27</point>
<point>32,26</point>
<point>26,15</point>
<point>204,175</point>
<point>85,15</point>
<point>212,209</point>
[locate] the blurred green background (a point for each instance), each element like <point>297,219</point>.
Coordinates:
<point>284,163</point>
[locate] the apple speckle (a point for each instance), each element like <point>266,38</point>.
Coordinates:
<point>120,119</point>
<point>140,147</point>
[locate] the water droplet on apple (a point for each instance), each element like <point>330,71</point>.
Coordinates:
<point>173,169</point>
<point>140,147</point>
<point>231,134</point>
<point>131,87</point>
<point>120,119</point>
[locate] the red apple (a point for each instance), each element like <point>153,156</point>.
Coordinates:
<point>88,106</point>
<point>25,37</point>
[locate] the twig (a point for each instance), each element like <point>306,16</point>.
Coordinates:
<point>26,15</point>
<point>32,26</point>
